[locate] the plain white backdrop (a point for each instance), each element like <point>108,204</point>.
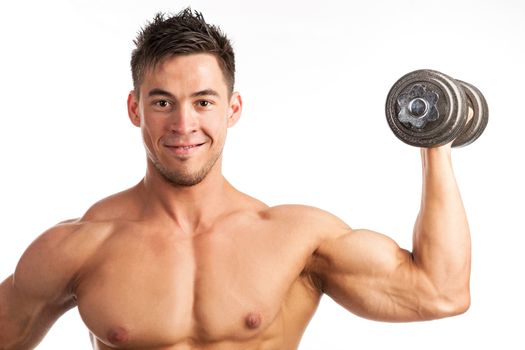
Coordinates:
<point>314,77</point>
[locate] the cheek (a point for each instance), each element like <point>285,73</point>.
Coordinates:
<point>146,140</point>
<point>151,133</point>
<point>218,129</point>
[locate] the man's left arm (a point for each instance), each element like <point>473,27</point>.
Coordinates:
<point>369,274</point>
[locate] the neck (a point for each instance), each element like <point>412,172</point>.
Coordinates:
<point>192,208</point>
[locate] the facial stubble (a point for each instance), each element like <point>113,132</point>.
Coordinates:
<point>183,178</point>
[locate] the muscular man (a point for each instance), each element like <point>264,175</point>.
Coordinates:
<point>183,260</point>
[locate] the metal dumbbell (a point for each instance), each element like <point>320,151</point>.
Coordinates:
<point>426,108</point>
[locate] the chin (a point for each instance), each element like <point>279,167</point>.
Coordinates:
<point>183,177</point>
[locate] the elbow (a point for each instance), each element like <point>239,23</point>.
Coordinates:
<point>448,306</point>
<point>464,304</point>
<point>458,306</point>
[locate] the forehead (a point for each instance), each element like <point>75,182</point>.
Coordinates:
<point>186,73</point>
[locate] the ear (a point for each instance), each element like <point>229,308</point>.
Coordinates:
<point>133,108</point>
<point>235,109</point>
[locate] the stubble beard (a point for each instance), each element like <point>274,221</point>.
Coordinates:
<point>183,178</point>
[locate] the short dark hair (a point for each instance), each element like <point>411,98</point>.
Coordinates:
<point>182,34</point>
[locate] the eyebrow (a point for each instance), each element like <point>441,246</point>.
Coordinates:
<point>205,92</point>
<point>160,92</point>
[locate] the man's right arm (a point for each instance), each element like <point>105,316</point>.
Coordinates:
<point>40,290</point>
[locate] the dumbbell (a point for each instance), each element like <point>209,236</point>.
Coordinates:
<point>426,108</point>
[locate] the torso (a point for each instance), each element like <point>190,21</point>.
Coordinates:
<point>238,284</point>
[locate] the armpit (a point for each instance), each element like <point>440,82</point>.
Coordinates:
<point>311,278</point>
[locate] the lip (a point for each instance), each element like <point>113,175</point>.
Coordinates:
<point>184,149</point>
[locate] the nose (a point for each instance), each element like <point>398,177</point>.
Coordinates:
<point>183,121</point>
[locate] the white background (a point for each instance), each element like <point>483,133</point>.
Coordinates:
<point>314,77</point>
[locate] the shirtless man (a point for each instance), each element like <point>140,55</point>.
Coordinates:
<point>183,260</point>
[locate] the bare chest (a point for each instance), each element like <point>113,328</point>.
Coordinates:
<point>158,290</point>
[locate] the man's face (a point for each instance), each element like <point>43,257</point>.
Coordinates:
<point>184,110</point>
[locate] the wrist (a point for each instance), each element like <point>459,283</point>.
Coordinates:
<point>439,151</point>
<point>436,154</point>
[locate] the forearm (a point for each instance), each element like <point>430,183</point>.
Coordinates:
<point>441,235</point>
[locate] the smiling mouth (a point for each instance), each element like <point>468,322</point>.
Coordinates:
<point>184,149</point>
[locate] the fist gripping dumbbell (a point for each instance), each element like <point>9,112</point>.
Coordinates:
<point>426,108</point>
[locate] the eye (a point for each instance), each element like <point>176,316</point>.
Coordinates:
<point>162,103</point>
<point>204,103</point>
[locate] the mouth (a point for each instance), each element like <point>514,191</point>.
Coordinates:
<point>184,150</point>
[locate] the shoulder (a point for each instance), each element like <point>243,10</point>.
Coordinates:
<point>121,205</point>
<point>42,269</point>
<point>313,228</point>
<point>305,217</point>
<point>49,265</point>
<point>308,224</point>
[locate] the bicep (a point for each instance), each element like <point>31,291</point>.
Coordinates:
<point>370,275</point>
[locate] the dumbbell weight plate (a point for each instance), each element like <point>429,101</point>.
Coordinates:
<point>426,108</point>
<point>474,126</point>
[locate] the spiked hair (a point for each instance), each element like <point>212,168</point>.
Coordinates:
<point>182,34</point>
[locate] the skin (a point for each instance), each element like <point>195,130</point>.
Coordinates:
<point>163,266</point>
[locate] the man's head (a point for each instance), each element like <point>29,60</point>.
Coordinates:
<point>183,97</point>
<point>182,34</point>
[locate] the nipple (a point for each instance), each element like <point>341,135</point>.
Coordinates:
<point>253,320</point>
<point>117,335</point>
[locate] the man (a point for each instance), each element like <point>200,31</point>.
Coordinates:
<point>183,260</point>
